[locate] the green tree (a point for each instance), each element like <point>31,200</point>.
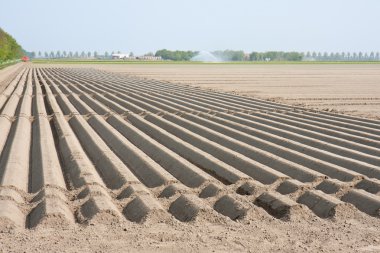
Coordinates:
<point>175,55</point>
<point>9,48</point>
<point>254,56</point>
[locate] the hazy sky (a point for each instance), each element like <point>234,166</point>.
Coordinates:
<point>147,25</point>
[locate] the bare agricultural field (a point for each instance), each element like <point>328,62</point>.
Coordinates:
<point>94,161</point>
<point>348,88</point>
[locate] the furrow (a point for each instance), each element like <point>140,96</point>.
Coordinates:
<point>321,166</point>
<point>342,151</point>
<point>289,168</point>
<point>210,164</point>
<point>256,170</point>
<point>15,158</point>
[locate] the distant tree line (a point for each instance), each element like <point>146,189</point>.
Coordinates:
<point>226,55</point>
<point>233,55</point>
<point>9,48</point>
<point>176,55</point>
<point>68,54</point>
<point>276,56</point>
<point>360,56</point>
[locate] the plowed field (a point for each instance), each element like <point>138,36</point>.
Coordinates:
<point>98,161</point>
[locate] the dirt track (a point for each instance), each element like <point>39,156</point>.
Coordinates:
<point>113,163</point>
<point>348,88</point>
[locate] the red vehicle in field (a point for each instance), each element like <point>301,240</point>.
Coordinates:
<point>25,58</point>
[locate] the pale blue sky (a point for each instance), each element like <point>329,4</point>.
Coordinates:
<point>147,25</point>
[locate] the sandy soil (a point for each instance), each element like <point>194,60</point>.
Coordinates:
<point>86,169</point>
<point>259,235</point>
<point>353,88</point>
<point>8,73</point>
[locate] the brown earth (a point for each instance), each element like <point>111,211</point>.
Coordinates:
<point>91,161</point>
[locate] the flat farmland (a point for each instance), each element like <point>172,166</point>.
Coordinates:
<point>101,161</point>
<point>345,88</point>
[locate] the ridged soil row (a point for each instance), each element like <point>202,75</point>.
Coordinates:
<point>346,128</point>
<point>351,143</point>
<point>179,107</point>
<point>141,205</point>
<point>14,160</point>
<point>136,98</point>
<point>312,142</point>
<point>212,165</point>
<point>298,113</point>
<point>114,172</point>
<point>165,87</point>
<point>309,162</point>
<point>81,172</point>
<point>126,152</point>
<point>346,118</point>
<point>322,133</point>
<point>4,96</point>
<point>152,97</point>
<point>306,175</point>
<point>9,109</point>
<point>121,125</point>
<point>186,172</point>
<point>235,102</point>
<point>324,199</point>
<point>291,169</point>
<point>333,121</point>
<point>138,161</point>
<point>105,98</point>
<point>367,171</point>
<point>349,163</point>
<point>249,164</point>
<point>332,198</point>
<point>132,133</point>
<point>370,185</point>
<point>246,100</point>
<point>46,176</point>
<point>108,165</point>
<point>295,131</point>
<point>234,105</point>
